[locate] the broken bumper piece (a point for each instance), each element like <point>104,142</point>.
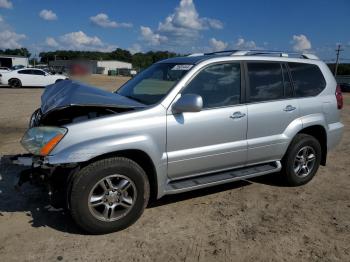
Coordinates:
<point>35,173</point>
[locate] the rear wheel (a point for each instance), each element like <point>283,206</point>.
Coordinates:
<point>302,160</point>
<point>15,83</point>
<point>109,195</point>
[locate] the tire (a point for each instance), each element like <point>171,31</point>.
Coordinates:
<point>87,185</point>
<point>299,168</point>
<point>15,83</point>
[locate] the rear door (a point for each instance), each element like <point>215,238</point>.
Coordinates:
<point>271,109</point>
<point>215,138</point>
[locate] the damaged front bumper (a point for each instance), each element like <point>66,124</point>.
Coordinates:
<point>55,178</point>
<point>36,169</point>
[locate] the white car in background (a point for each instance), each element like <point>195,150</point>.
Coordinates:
<point>4,70</point>
<point>29,77</point>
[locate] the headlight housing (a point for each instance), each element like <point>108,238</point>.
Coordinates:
<point>41,140</point>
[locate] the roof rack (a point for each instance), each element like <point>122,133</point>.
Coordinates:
<point>259,52</point>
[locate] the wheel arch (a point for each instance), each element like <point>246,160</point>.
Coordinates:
<point>318,132</point>
<point>142,159</point>
<point>14,78</point>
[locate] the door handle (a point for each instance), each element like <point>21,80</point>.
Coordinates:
<point>289,108</point>
<point>237,115</point>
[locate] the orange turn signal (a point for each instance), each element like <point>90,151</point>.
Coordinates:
<point>46,149</point>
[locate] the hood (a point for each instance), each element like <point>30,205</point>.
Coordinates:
<point>70,93</point>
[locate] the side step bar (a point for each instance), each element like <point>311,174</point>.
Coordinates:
<point>192,183</point>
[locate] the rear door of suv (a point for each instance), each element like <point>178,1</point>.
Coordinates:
<point>271,109</point>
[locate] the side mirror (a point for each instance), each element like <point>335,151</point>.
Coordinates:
<point>188,103</point>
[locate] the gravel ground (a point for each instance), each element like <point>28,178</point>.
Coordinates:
<point>255,220</point>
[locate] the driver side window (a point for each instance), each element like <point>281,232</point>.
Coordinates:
<point>219,85</point>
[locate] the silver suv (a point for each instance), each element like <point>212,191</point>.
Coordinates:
<point>184,123</point>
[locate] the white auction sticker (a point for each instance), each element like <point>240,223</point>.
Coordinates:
<point>182,67</point>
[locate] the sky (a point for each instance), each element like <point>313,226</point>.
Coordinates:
<point>182,26</point>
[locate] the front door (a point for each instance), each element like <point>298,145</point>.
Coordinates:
<point>215,138</point>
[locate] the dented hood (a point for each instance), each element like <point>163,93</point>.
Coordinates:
<point>70,93</point>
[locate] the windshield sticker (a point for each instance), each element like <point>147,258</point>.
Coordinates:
<point>182,67</point>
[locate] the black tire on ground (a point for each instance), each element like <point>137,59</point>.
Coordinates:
<point>291,161</point>
<point>87,178</point>
<point>15,83</point>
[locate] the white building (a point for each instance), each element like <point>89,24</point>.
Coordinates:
<point>104,66</point>
<point>13,60</point>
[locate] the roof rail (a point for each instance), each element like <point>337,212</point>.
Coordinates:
<point>196,54</point>
<point>310,56</point>
<point>259,52</point>
<point>266,52</point>
<point>273,52</point>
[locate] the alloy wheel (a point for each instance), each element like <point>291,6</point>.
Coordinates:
<point>112,197</point>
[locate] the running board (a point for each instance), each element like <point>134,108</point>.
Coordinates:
<point>192,183</point>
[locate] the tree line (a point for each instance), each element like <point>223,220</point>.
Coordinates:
<point>138,60</point>
<point>17,51</point>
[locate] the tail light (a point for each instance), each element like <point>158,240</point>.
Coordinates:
<point>339,96</point>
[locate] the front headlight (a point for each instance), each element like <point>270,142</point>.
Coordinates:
<point>41,140</point>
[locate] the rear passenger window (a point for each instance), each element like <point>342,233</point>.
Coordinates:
<point>25,72</point>
<point>308,79</point>
<point>38,72</point>
<point>219,85</point>
<point>265,81</point>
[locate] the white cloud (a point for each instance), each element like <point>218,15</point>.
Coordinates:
<point>243,44</point>
<point>48,15</point>
<point>152,38</point>
<point>51,42</point>
<point>186,16</point>
<point>79,41</point>
<point>217,45</point>
<point>103,20</point>
<point>135,48</point>
<point>214,23</point>
<point>10,39</point>
<point>181,28</point>
<point>6,4</point>
<point>301,43</point>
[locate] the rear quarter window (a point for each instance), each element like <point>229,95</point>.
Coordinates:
<point>308,79</point>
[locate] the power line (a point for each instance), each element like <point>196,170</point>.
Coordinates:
<point>338,50</point>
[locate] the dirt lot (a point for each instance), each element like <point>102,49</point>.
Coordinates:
<point>255,220</point>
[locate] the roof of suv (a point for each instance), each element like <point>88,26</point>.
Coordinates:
<point>197,58</point>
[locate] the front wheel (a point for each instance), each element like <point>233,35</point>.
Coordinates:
<point>109,195</point>
<point>302,160</point>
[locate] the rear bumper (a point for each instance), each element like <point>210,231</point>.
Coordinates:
<point>334,135</point>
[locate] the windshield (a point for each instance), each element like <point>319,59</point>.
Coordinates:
<point>151,85</point>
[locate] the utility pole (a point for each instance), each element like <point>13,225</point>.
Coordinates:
<point>338,50</point>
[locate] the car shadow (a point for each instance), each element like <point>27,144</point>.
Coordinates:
<point>32,201</point>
